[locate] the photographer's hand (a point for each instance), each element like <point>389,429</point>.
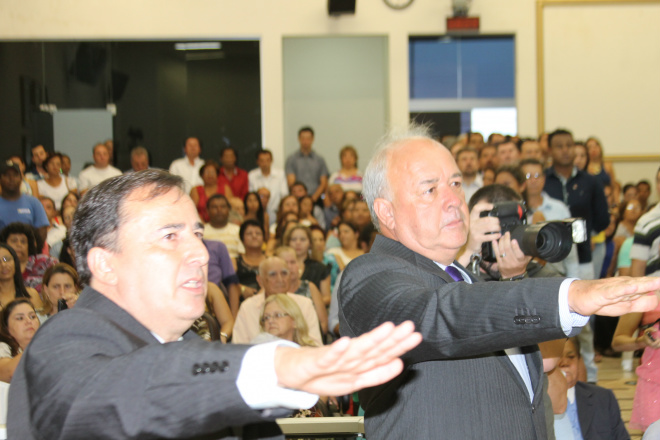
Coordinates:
<point>511,261</point>
<point>482,229</point>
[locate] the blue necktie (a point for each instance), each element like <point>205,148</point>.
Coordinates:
<point>454,273</point>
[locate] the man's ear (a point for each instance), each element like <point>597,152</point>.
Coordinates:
<point>384,212</point>
<point>260,281</point>
<point>100,262</point>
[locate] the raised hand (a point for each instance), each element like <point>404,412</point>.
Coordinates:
<point>614,296</point>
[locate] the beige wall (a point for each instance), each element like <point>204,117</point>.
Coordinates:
<point>272,20</point>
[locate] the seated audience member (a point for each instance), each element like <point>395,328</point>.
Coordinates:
<point>277,235</point>
<point>56,230</point>
<point>299,190</point>
<point>139,159</point>
<point>28,185</point>
<point>66,214</point>
<point>512,177</point>
<point>254,210</point>
<point>17,207</point>
<point>581,160</point>
<point>99,171</point>
<point>273,279</point>
<point>200,194</point>
<point>217,306</point>
<point>300,239</point>
<point>487,158</point>
<point>348,176</point>
<point>22,239</point>
<point>306,207</point>
<point>219,228</point>
<point>288,204</point>
<point>66,168</point>
<point>247,264</point>
<point>230,174</point>
<point>332,211</point>
<point>268,181</point>
<point>319,254</point>
<point>187,167</point>
<point>530,149</point>
<point>645,408</point>
<point>303,287</point>
<point>348,237</point>
<point>11,281</point>
<point>67,254</point>
<point>629,192</point>
<point>237,211</point>
<point>221,272</point>
<point>361,214</point>
<point>18,324</point>
<point>60,282</point>
<point>55,186</point>
<point>508,153</point>
<point>70,199</point>
<point>36,171</point>
<point>631,212</point>
<point>593,411</point>
<point>488,176</point>
<point>282,318</point>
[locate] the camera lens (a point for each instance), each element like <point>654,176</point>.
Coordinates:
<point>550,241</point>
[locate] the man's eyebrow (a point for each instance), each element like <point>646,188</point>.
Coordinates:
<point>429,181</point>
<point>459,174</point>
<point>177,226</point>
<point>198,225</point>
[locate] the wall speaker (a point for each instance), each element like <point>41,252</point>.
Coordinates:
<point>339,7</point>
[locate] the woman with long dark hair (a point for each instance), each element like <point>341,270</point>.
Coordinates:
<point>11,281</point>
<point>255,210</point>
<point>18,324</point>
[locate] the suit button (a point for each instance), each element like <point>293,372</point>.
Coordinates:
<point>518,320</point>
<point>197,369</point>
<point>536,319</point>
<point>224,366</point>
<point>533,409</point>
<point>206,367</point>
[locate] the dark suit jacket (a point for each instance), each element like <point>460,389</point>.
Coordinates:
<point>458,383</point>
<point>95,372</point>
<point>599,413</point>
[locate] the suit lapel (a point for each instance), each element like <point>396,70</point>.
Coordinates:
<point>585,406</point>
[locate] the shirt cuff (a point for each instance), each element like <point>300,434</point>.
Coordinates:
<point>568,319</point>
<point>257,381</point>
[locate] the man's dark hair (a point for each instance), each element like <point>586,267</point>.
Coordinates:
<point>19,284</point>
<point>467,149</point>
<point>530,161</point>
<point>643,182</point>
<point>199,141</point>
<point>229,147</point>
<point>249,222</point>
<point>508,141</point>
<point>556,132</point>
<point>21,229</point>
<point>627,186</point>
<point>209,163</point>
<point>514,170</point>
<point>306,128</point>
<point>299,183</point>
<point>50,157</point>
<point>216,197</point>
<point>485,147</point>
<point>264,151</point>
<point>100,213</point>
<point>493,194</point>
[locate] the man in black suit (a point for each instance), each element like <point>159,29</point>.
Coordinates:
<point>458,383</point>
<point>121,363</point>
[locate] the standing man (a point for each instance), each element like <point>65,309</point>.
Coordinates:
<point>138,372</point>
<point>306,166</point>
<point>273,179</point>
<point>18,207</point>
<point>37,171</point>
<point>645,251</point>
<point>467,159</point>
<point>458,383</point>
<point>508,153</point>
<point>188,167</point>
<point>100,171</point>
<point>230,174</point>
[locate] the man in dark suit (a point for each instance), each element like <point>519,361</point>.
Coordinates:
<point>458,383</point>
<point>121,363</point>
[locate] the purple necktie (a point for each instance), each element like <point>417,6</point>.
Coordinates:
<point>454,273</point>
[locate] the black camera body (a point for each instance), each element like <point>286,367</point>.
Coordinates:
<point>550,241</point>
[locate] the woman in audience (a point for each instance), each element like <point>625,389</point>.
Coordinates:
<point>512,177</point>
<point>11,282</point>
<point>319,254</point>
<point>281,317</point>
<point>70,199</point>
<point>200,194</point>
<point>22,239</point>
<point>288,205</point>
<point>254,210</point>
<point>646,409</point>
<point>348,236</point>
<point>581,160</point>
<point>603,170</point>
<point>18,324</point>
<point>28,186</point>
<point>303,287</point>
<point>300,239</point>
<point>348,176</point>
<point>247,264</point>
<point>361,214</point>
<point>217,305</point>
<point>306,211</point>
<point>60,282</point>
<point>631,213</point>
<point>289,220</point>
<point>55,185</point>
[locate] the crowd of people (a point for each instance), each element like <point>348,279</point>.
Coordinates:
<point>279,241</point>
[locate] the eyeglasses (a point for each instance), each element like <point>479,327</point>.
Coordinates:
<point>278,315</point>
<point>529,176</point>
<point>7,259</point>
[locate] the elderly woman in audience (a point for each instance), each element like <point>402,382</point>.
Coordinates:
<point>247,264</point>
<point>254,210</point>
<point>18,324</point>
<point>349,234</point>
<point>200,194</point>
<point>282,318</point>
<point>11,282</point>
<point>348,176</point>
<point>300,239</point>
<point>61,288</point>
<point>597,166</point>
<point>55,186</point>
<point>22,239</point>
<point>303,287</point>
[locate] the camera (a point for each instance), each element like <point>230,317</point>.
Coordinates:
<point>550,241</point>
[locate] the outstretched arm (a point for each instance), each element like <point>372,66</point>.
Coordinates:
<point>614,296</point>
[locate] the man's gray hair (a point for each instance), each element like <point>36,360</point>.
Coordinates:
<point>374,182</point>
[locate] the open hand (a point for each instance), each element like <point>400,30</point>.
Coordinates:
<point>614,296</point>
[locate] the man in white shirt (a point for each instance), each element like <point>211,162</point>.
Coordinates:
<point>273,278</point>
<point>274,180</point>
<point>219,228</point>
<point>188,167</point>
<point>101,170</point>
<point>467,159</point>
